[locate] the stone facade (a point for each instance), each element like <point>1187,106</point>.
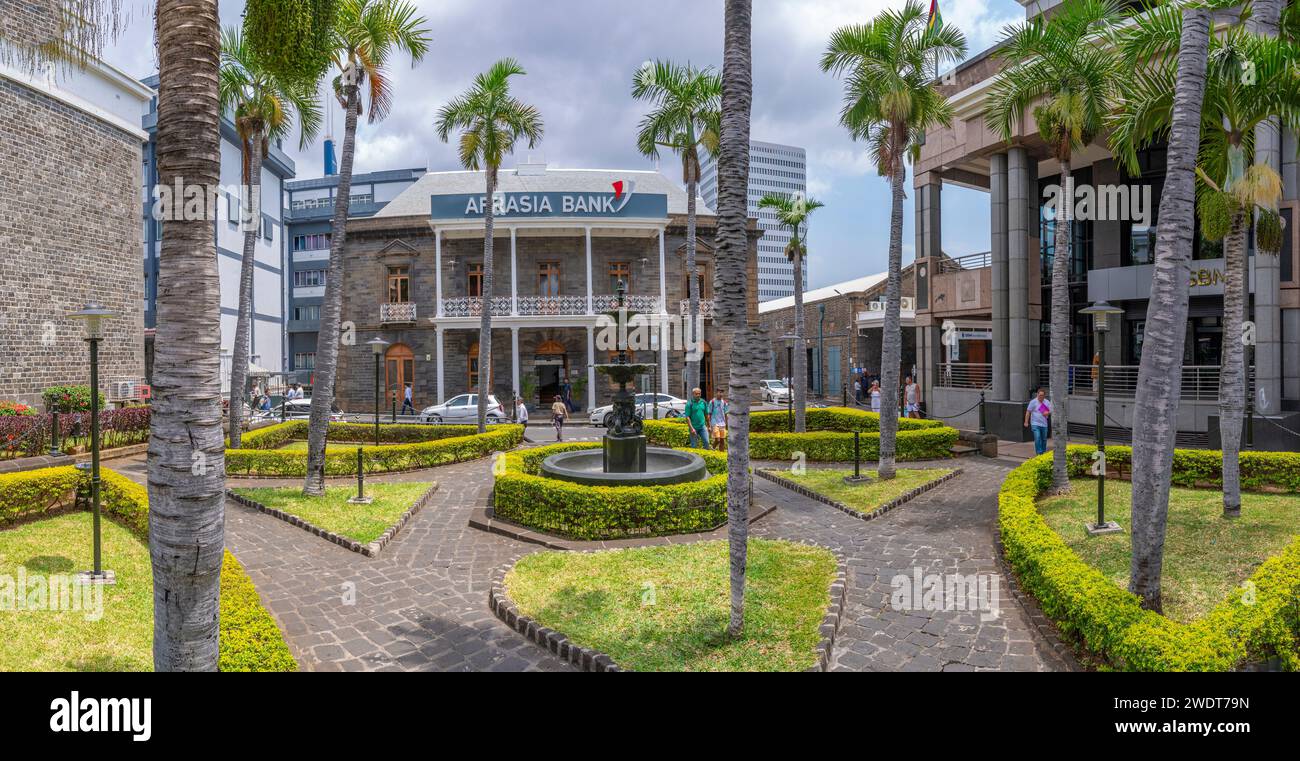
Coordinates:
<point>70,233</point>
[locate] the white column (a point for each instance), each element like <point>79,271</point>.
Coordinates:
<point>514,289</point>
<point>589,304</point>
<point>438,357</point>
<point>437,280</point>
<point>514,356</point>
<point>663,357</point>
<point>663,279</point>
<point>591,367</point>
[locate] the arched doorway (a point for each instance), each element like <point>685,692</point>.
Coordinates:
<point>399,370</point>
<point>552,367</point>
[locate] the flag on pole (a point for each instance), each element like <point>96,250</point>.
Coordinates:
<point>936,20</point>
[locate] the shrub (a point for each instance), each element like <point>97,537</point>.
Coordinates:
<point>69,399</point>
<point>1110,621</point>
<point>29,435</point>
<point>8,408</point>
<point>578,511</point>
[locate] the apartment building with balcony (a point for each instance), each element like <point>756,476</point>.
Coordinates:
<point>564,240</point>
<point>308,219</point>
<point>1111,259</point>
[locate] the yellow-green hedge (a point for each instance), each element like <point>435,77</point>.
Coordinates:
<point>578,511</point>
<point>250,638</point>
<point>829,437</point>
<point>1110,621</point>
<point>440,445</point>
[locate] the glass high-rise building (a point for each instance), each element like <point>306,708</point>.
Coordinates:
<point>773,168</point>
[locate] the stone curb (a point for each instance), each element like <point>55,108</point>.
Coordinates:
<point>484,519</point>
<point>370,550</point>
<point>879,511</point>
<point>37,462</point>
<point>1047,632</point>
<point>588,659</point>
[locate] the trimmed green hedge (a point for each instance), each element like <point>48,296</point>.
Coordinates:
<point>577,511</point>
<point>250,638</point>
<point>829,437</point>
<point>1110,621</point>
<point>429,445</point>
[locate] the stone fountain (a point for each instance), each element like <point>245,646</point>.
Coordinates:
<point>624,459</point>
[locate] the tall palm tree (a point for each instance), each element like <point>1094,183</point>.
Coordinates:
<point>792,212</point>
<point>264,106</point>
<point>684,119</point>
<point>1160,371</point>
<point>366,34</point>
<point>186,459</point>
<point>732,287</point>
<point>890,100</point>
<point>1065,68</point>
<point>490,121</point>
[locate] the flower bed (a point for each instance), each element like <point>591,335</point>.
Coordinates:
<point>414,447</point>
<point>1110,622</point>
<point>28,435</point>
<point>577,511</point>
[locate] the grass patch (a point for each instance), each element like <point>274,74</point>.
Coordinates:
<point>333,512</point>
<point>1206,556</point>
<point>666,608</point>
<point>864,498</point>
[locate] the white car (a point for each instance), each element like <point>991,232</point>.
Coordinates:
<point>669,407</point>
<point>298,409</point>
<point>463,410</point>
<point>774,391</point>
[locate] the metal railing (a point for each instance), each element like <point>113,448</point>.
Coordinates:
<point>390,313</point>
<point>969,375</point>
<point>968,262</point>
<point>639,304</point>
<point>1199,382</point>
<point>472,306</point>
<point>706,308</point>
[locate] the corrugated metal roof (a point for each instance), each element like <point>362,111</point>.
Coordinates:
<point>855,285</point>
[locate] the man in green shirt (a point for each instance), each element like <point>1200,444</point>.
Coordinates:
<point>696,411</point>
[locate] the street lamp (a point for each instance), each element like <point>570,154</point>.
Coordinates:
<point>789,339</point>
<point>654,386</point>
<point>377,346</point>
<point>92,318</point>
<point>1101,312</point>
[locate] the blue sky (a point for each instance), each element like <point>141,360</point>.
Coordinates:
<point>580,56</point>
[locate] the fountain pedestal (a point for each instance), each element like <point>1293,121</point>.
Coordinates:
<point>624,454</point>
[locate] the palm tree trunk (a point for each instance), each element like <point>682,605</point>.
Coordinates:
<point>327,339</point>
<point>1059,355</point>
<point>187,467</point>
<point>1232,375</point>
<point>485,319</point>
<point>748,343</point>
<point>891,344</point>
<point>799,373</point>
<point>244,323</point>
<point>1160,373</point>
<point>694,347</point>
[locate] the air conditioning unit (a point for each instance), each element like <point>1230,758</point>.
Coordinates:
<point>125,389</point>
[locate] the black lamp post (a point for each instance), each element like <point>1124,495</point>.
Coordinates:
<point>1101,312</point>
<point>92,318</point>
<point>654,347</point>
<point>789,339</point>
<point>377,346</point>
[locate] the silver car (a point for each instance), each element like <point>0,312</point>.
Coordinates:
<point>668,407</point>
<point>774,391</point>
<point>463,409</point>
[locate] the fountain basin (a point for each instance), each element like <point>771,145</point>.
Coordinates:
<point>663,467</point>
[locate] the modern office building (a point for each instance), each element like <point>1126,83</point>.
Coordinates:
<point>266,341</point>
<point>308,217</point>
<point>773,168</point>
<point>1008,290</point>
<point>565,239</point>
<point>70,194</point>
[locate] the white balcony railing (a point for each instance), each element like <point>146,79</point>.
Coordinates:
<point>550,306</point>
<point>638,304</point>
<point>968,375</point>
<point>1199,382</point>
<point>473,307</point>
<point>547,306</point>
<point>396,313</point>
<point>706,308</point>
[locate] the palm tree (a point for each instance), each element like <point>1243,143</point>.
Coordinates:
<point>1160,371</point>
<point>186,460</point>
<point>731,284</point>
<point>685,118</point>
<point>365,36</point>
<point>490,121</point>
<point>263,106</point>
<point>792,212</point>
<point>1065,67</point>
<point>890,100</point>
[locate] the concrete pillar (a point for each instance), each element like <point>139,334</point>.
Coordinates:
<point>591,368</point>
<point>998,231</point>
<point>1290,318</point>
<point>589,302</point>
<point>1034,285</point>
<point>663,354</point>
<point>1268,296</point>
<point>514,357</point>
<point>514,286</point>
<point>437,286</point>
<point>439,359</point>
<point>929,220</point>
<point>1021,372</point>
<point>663,286</point>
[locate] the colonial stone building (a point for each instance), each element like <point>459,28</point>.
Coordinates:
<point>70,205</point>
<point>564,241</point>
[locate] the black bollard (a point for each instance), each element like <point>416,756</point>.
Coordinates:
<point>983,419</point>
<point>394,409</point>
<point>361,477</point>
<point>857,455</point>
<point>54,435</point>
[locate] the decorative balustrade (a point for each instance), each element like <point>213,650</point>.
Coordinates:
<point>638,304</point>
<point>706,308</point>
<point>396,313</point>
<point>472,306</point>
<point>545,306</point>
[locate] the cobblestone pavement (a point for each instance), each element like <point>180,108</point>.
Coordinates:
<point>422,604</point>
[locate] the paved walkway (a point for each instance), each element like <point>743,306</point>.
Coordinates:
<point>422,604</point>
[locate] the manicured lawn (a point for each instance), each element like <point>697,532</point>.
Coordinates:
<point>330,446</point>
<point>864,498</point>
<point>333,512</point>
<point>1205,555</point>
<point>666,608</point>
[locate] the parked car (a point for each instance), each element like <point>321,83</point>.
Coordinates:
<point>463,410</point>
<point>669,407</point>
<point>774,391</point>
<point>298,409</point>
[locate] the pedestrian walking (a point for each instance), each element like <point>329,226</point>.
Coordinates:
<point>875,396</point>
<point>558,412</point>
<point>1037,416</point>
<point>407,403</point>
<point>718,420</point>
<point>697,411</point>
<point>911,398</point>
<point>857,390</point>
<point>521,411</point>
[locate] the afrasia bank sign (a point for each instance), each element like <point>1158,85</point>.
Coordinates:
<point>621,201</point>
